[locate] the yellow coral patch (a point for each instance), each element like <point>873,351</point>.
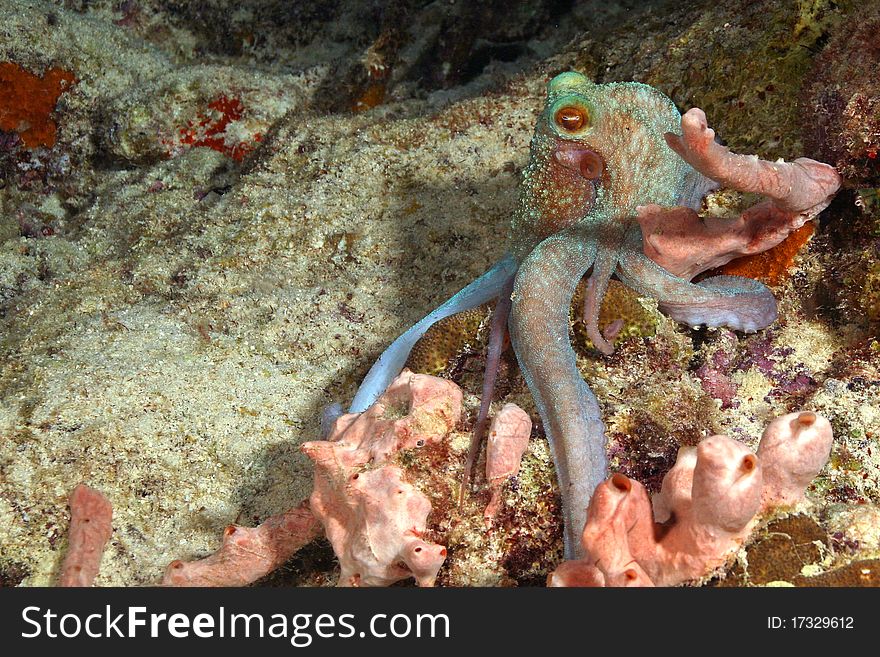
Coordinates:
<point>448,339</point>
<point>620,303</point>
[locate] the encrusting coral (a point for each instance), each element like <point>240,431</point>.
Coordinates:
<point>708,504</point>
<point>449,338</point>
<point>27,102</point>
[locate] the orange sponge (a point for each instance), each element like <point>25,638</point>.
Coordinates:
<point>27,102</point>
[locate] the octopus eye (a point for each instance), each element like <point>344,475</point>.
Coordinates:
<point>571,118</point>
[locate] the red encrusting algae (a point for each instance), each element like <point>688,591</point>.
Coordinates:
<point>209,129</point>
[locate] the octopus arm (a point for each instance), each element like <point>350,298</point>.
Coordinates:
<point>597,286</point>
<point>390,363</point>
<point>738,303</point>
<point>497,333</point>
<point>539,322</point>
<point>695,188</point>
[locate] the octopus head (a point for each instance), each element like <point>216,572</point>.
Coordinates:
<point>612,134</point>
<point>559,185</point>
<point>568,119</point>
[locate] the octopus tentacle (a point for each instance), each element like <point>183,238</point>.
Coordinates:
<point>597,286</point>
<point>480,291</point>
<point>543,291</point>
<point>739,303</point>
<point>497,332</point>
<point>694,189</point>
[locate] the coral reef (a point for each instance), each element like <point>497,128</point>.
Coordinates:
<point>708,505</point>
<point>91,517</point>
<point>841,107</point>
<point>173,320</point>
<point>597,161</point>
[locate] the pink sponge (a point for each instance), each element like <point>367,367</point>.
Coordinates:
<point>91,516</point>
<point>508,440</point>
<point>248,553</point>
<point>685,244</point>
<point>372,517</point>
<point>707,506</point>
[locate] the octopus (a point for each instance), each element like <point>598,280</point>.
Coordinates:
<point>615,178</point>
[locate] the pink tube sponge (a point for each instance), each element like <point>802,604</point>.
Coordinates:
<point>248,553</point>
<point>685,244</point>
<point>793,449</point>
<point>374,518</point>
<point>726,490</point>
<point>90,528</point>
<point>707,506</point>
<point>508,440</point>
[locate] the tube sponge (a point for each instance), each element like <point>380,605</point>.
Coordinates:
<point>709,503</point>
